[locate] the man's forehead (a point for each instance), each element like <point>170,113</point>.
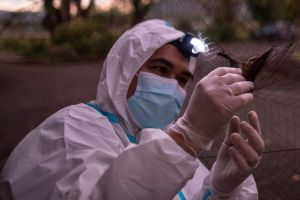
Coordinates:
<point>171,53</point>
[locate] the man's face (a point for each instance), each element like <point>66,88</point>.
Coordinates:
<point>166,62</point>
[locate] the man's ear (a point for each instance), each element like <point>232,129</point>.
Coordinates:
<point>132,86</point>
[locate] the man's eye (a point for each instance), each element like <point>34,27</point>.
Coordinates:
<point>161,70</point>
<point>182,81</point>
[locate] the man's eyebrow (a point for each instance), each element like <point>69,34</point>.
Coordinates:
<point>162,61</point>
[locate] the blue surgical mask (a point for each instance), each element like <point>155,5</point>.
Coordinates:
<point>156,101</point>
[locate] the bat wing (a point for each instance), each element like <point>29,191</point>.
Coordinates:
<point>269,64</point>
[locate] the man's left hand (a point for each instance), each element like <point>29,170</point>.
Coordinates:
<point>238,157</point>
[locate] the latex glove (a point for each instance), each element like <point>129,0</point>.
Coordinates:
<point>214,101</point>
<point>237,157</point>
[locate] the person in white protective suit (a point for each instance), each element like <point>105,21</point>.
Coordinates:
<point>125,145</point>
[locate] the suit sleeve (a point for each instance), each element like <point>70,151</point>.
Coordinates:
<point>76,155</point>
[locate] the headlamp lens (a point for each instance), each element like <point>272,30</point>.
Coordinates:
<point>198,46</point>
<point>190,45</point>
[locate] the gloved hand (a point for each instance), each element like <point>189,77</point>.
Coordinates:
<point>214,101</point>
<point>237,157</point>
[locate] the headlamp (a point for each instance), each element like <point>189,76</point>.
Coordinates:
<point>190,45</point>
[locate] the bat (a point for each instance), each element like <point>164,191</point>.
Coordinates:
<point>272,58</point>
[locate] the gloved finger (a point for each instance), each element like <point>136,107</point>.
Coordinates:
<point>254,121</point>
<point>231,78</point>
<point>234,127</point>
<point>241,163</point>
<point>220,71</point>
<point>254,137</point>
<point>241,100</point>
<point>242,87</point>
<point>245,149</point>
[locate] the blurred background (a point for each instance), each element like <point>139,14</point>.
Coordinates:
<point>51,52</point>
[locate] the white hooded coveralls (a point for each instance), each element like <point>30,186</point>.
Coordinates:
<point>79,153</point>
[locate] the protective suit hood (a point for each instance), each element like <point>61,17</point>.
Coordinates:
<point>125,58</point>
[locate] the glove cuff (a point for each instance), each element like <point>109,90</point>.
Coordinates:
<point>194,137</point>
<point>211,194</point>
<point>216,193</point>
<point>219,195</point>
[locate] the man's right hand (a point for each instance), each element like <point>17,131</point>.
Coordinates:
<point>214,101</point>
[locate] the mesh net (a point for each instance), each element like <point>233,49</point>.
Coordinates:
<point>277,94</point>
<point>277,104</point>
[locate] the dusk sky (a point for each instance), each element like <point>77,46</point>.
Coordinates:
<point>35,5</point>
